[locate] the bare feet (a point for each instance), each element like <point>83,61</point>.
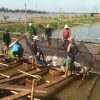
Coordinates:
<point>37,69</point>
<point>64,76</point>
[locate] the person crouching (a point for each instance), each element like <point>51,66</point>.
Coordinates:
<point>17,50</point>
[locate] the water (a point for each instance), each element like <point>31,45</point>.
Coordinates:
<point>21,16</point>
<point>86,32</point>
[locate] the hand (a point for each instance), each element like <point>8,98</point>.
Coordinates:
<point>3,43</point>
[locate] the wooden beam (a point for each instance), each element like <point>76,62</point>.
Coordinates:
<point>16,96</point>
<point>4,64</point>
<point>58,80</point>
<point>14,87</point>
<point>34,76</point>
<point>4,75</point>
<point>22,88</point>
<point>22,75</point>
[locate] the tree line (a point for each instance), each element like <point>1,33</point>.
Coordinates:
<point>20,10</point>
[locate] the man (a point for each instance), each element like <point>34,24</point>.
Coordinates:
<point>40,57</point>
<point>32,30</point>
<point>66,35</point>
<point>72,50</point>
<point>34,52</point>
<point>6,37</point>
<point>48,33</point>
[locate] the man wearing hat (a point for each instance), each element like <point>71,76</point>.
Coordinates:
<point>72,50</point>
<point>66,35</point>
<point>32,29</point>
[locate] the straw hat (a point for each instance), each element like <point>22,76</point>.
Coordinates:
<point>48,25</point>
<point>30,24</point>
<point>66,26</point>
<point>35,38</point>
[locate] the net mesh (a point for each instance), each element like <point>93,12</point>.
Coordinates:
<point>88,53</point>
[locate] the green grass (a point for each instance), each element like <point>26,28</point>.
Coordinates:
<point>41,22</point>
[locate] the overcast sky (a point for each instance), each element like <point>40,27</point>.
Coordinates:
<point>54,5</point>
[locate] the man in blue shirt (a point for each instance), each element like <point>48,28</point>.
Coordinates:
<point>17,50</point>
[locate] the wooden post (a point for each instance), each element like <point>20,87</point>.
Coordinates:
<point>32,92</point>
<point>25,17</point>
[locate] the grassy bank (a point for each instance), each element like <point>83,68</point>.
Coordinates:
<point>41,22</point>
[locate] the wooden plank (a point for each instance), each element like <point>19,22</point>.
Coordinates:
<point>14,87</point>
<point>35,76</point>
<point>16,96</point>
<point>58,80</point>
<point>4,75</point>
<point>22,88</point>
<point>22,75</point>
<point>9,66</point>
<point>4,64</point>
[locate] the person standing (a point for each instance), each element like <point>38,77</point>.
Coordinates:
<point>6,37</point>
<point>48,34</point>
<point>32,30</point>
<point>66,35</point>
<point>72,50</point>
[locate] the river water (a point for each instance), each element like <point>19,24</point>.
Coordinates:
<point>86,32</point>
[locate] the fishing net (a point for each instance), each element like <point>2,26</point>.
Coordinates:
<point>26,43</point>
<point>88,53</point>
<point>57,47</point>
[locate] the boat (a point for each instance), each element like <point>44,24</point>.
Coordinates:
<point>49,87</point>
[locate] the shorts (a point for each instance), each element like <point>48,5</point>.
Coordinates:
<point>70,62</point>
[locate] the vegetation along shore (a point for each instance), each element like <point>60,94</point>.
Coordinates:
<point>41,22</point>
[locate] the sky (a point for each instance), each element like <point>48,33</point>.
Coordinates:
<point>79,6</point>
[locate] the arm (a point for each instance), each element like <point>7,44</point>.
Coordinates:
<point>69,33</point>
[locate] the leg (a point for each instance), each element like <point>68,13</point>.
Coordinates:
<point>33,62</point>
<point>49,41</point>
<point>66,71</point>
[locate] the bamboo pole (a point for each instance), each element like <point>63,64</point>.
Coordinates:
<point>4,64</point>
<point>16,41</point>
<point>35,76</point>
<point>83,78</point>
<point>92,87</point>
<point>5,75</point>
<point>32,92</point>
<point>25,17</point>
